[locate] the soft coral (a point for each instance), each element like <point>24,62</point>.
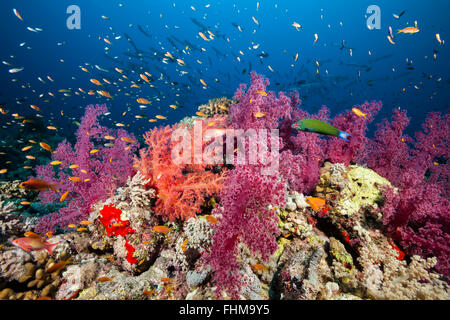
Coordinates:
<point>181,188</point>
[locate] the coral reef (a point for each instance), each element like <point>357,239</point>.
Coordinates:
<point>365,219</point>
<point>88,173</point>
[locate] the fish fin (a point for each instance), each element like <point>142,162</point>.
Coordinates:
<point>344,135</point>
<point>51,246</point>
<point>54,185</point>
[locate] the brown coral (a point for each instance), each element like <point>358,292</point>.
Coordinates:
<point>217,106</point>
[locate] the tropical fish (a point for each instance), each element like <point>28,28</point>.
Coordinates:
<point>318,126</point>
<point>58,266</point>
<point>143,101</point>
<point>358,112</point>
<point>64,196</point>
<point>45,146</point>
<point>161,229</point>
<point>34,244</point>
<point>38,185</point>
<point>75,179</point>
<point>31,234</point>
<point>2,171</point>
<point>126,139</point>
<point>104,279</point>
<point>211,219</point>
<point>17,14</point>
<point>259,114</point>
<point>409,30</point>
<point>315,203</point>
<point>258,267</point>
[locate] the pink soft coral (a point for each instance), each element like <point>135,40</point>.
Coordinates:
<point>181,188</point>
<point>417,214</point>
<point>100,173</point>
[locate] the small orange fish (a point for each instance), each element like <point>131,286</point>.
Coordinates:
<point>75,179</point>
<point>2,171</point>
<point>358,112</point>
<point>104,94</point>
<point>166,280</point>
<point>258,267</point>
<point>261,93</point>
<point>96,82</point>
<point>55,163</point>
<point>143,101</point>
<point>85,223</point>
<point>31,234</point>
<point>211,219</point>
<point>27,148</point>
<point>58,266</point>
<point>93,151</point>
<point>126,139</point>
<point>45,146</point>
<point>30,157</point>
<point>161,229</point>
<point>81,229</point>
<point>200,114</point>
<point>72,226</point>
<point>410,30</point>
<point>149,293</point>
<point>259,114</point>
<point>109,138</point>
<point>52,128</point>
<point>183,245</point>
<point>315,203</point>
<point>35,107</point>
<point>38,185</point>
<point>25,203</point>
<point>104,279</point>
<point>160,117</point>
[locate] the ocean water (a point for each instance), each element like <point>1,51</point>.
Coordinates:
<point>325,50</point>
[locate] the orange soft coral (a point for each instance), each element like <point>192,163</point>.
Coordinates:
<point>181,188</point>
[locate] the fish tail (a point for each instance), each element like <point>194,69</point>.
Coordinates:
<point>51,246</point>
<point>344,135</point>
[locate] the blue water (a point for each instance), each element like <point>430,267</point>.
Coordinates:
<point>340,89</point>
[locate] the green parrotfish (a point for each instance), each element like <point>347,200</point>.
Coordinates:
<point>317,126</point>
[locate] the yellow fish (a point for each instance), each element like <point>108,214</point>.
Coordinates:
<point>358,112</point>
<point>64,196</point>
<point>259,114</point>
<point>93,151</point>
<point>75,179</point>
<point>160,117</point>
<point>55,163</point>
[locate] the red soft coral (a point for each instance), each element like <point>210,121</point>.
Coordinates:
<point>181,188</point>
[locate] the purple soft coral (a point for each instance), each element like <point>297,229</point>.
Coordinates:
<point>417,213</point>
<point>99,173</point>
